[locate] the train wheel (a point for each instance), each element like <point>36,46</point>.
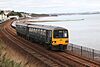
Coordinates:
<point>47,46</point>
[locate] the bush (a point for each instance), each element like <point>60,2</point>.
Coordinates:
<point>4,62</point>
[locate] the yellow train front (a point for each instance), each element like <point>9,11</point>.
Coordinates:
<point>57,38</point>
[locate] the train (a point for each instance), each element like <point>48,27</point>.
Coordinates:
<point>51,37</point>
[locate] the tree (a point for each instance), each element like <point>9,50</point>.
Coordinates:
<point>12,13</point>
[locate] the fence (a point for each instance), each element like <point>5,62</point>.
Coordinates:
<point>84,51</point>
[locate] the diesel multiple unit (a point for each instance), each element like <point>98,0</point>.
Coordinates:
<point>52,37</point>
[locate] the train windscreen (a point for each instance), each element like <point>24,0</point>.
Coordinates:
<point>60,33</point>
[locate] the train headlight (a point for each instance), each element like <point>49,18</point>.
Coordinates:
<point>66,41</point>
<point>53,41</point>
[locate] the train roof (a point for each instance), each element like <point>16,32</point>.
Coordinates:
<point>46,27</point>
<point>22,24</point>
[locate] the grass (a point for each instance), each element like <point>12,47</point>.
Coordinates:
<point>5,62</point>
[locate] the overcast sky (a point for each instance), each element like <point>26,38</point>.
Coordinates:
<point>50,6</point>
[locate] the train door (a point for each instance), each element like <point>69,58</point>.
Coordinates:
<point>49,36</point>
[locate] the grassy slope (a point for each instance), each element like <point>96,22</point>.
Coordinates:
<point>5,62</point>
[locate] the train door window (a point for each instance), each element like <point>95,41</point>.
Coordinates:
<point>48,35</point>
<point>65,34</point>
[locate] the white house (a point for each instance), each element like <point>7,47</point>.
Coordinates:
<point>3,17</point>
<point>17,17</point>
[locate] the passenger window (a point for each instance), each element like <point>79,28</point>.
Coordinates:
<point>44,32</point>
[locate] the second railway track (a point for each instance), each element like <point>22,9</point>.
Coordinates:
<point>50,58</point>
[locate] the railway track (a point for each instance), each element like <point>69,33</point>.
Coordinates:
<point>50,58</point>
<point>49,61</point>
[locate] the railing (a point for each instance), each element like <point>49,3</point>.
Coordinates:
<point>84,51</point>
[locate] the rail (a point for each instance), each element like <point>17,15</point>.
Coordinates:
<point>58,58</point>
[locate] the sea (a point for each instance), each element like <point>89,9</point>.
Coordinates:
<point>84,30</point>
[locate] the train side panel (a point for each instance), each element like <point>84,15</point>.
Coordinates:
<point>52,38</point>
<point>22,30</point>
<point>37,35</point>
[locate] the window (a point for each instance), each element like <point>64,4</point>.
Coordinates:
<point>44,32</point>
<point>60,33</point>
<point>30,30</point>
<point>65,33</point>
<point>34,30</point>
<point>41,31</point>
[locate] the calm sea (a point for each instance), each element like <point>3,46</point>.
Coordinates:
<point>84,30</point>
